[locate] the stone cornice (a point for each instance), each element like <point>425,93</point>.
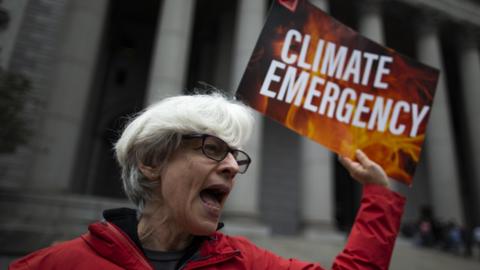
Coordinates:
<point>457,10</point>
<point>470,37</point>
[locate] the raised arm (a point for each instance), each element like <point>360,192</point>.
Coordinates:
<point>376,226</point>
<point>373,235</point>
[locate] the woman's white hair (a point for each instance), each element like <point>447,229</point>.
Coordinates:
<point>155,133</point>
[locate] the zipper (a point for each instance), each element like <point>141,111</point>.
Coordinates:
<point>128,243</point>
<point>209,260</point>
<point>182,267</point>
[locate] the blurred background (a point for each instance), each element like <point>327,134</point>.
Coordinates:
<point>71,71</point>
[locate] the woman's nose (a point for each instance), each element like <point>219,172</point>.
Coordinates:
<point>229,165</point>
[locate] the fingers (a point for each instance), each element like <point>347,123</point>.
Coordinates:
<point>364,170</point>
<point>351,166</point>
<point>362,158</point>
<point>346,162</point>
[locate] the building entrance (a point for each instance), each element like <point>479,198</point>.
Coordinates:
<point>118,91</point>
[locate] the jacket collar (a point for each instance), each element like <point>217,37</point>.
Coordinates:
<point>125,219</point>
<point>113,244</point>
<point>116,237</point>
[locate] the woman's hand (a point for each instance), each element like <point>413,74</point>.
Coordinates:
<point>365,170</point>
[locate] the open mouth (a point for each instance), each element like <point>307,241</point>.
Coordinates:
<point>214,196</point>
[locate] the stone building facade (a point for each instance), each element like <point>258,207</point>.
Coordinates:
<point>94,62</point>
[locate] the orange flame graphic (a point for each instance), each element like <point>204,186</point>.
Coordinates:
<point>407,80</point>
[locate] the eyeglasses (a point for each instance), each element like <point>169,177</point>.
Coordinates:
<point>216,149</point>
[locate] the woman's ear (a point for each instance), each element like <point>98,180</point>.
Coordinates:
<point>151,173</point>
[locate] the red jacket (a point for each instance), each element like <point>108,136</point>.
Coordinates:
<point>105,246</point>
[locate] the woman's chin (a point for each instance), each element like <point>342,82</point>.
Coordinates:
<point>204,221</point>
<point>205,228</point>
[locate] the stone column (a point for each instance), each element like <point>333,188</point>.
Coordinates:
<point>418,196</point>
<point>469,62</point>
<point>250,18</point>
<point>171,50</point>
<point>370,24</point>
<point>74,65</point>
<point>317,185</point>
<point>321,4</point>
<point>317,176</point>
<point>441,154</point>
<point>370,20</point>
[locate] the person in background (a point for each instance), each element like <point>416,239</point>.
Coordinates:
<point>467,240</point>
<point>476,238</point>
<point>427,228</point>
<point>179,159</point>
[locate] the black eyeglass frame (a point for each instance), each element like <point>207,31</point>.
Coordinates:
<point>229,150</point>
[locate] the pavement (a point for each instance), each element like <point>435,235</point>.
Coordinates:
<point>323,245</point>
<point>406,255</point>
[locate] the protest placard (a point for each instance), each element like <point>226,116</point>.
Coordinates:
<point>323,80</point>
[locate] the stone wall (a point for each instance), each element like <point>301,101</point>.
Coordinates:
<point>34,56</point>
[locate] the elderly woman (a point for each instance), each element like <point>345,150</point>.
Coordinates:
<point>179,159</point>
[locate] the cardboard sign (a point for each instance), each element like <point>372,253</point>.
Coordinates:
<point>338,88</point>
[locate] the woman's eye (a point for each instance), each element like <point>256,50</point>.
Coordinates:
<point>212,148</point>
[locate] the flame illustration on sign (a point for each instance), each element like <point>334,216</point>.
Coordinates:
<point>408,80</point>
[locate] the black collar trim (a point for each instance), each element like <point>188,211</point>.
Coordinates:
<point>126,219</point>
